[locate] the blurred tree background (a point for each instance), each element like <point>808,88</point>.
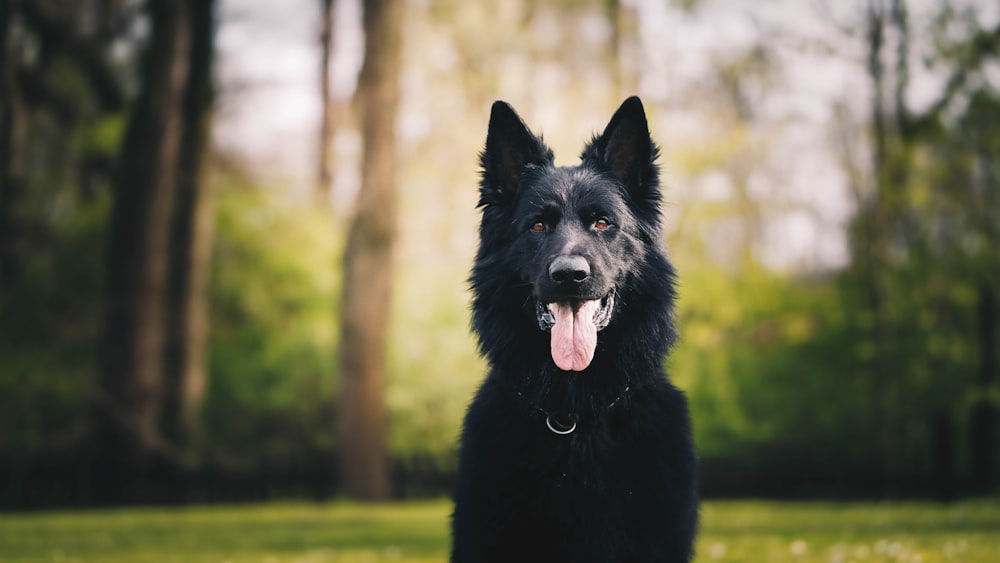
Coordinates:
<point>187,186</point>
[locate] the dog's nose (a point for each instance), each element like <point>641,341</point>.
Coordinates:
<point>569,269</point>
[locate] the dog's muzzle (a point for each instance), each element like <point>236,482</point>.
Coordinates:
<point>573,325</point>
<point>602,316</point>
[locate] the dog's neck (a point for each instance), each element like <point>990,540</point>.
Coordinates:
<point>606,384</point>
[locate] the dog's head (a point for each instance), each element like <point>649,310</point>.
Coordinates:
<point>573,236</point>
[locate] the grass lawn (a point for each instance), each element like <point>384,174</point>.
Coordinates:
<point>758,532</point>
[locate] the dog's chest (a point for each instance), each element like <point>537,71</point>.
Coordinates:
<point>578,487</point>
<point>587,466</point>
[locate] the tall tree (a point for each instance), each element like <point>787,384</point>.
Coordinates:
<point>368,262</point>
<point>191,237</point>
<point>624,48</point>
<point>878,216</point>
<point>893,230</point>
<point>12,132</point>
<point>978,147</point>
<point>128,402</point>
<point>328,119</point>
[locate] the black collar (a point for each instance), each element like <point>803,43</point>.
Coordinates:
<point>564,423</point>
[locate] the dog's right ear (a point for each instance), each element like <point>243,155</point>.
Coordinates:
<point>511,148</point>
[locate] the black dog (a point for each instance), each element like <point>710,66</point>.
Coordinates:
<point>576,447</point>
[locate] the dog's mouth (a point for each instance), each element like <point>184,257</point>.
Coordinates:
<point>574,324</point>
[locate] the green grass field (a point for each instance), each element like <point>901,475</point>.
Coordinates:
<point>756,532</point>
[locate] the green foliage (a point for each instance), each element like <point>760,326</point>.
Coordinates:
<point>755,358</point>
<point>102,137</point>
<point>49,331</point>
<point>772,364</point>
<point>418,532</point>
<point>434,366</point>
<point>273,294</point>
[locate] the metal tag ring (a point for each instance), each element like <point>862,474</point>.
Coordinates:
<point>562,431</point>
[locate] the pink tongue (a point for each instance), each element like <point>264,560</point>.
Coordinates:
<point>574,336</point>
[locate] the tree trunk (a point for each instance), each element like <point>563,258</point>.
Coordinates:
<point>875,251</point>
<point>130,384</point>
<point>190,248</point>
<point>984,416</point>
<point>368,262</point>
<point>328,122</point>
<point>891,153</point>
<point>624,51</point>
<point>13,124</point>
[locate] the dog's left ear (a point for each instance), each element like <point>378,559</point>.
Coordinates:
<point>626,150</point>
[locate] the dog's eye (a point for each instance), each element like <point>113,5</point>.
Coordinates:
<point>538,227</point>
<point>602,224</point>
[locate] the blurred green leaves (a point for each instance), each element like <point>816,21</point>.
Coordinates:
<point>273,298</point>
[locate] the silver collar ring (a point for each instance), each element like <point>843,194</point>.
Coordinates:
<point>557,427</point>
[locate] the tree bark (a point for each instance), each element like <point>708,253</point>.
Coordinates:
<point>328,120</point>
<point>190,249</point>
<point>874,251</point>
<point>130,383</point>
<point>984,413</point>
<point>889,164</point>
<point>624,52</point>
<point>368,264</point>
<point>13,124</point>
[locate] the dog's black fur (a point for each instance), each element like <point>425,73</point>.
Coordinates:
<point>621,486</point>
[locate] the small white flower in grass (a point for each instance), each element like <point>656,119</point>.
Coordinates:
<point>717,550</point>
<point>838,553</point>
<point>798,548</point>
